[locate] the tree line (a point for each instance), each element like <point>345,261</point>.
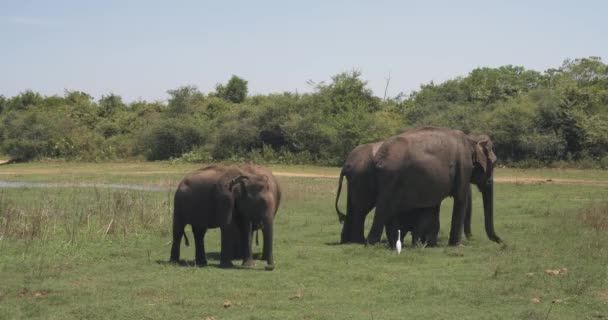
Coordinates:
<point>555,117</point>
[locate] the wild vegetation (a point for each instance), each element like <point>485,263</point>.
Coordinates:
<point>95,253</point>
<point>535,119</point>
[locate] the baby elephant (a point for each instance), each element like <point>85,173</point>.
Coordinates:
<point>230,198</point>
<point>423,223</point>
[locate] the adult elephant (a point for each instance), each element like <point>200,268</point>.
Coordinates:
<point>421,167</point>
<point>359,169</point>
<point>213,197</point>
<point>258,212</point>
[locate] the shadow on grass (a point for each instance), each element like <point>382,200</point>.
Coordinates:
<point>215,256</point>
<point>337,243</point>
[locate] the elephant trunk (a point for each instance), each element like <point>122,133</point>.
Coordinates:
<point>240,180</point>
<point>488,211</point>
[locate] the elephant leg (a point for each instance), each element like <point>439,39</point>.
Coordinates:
<point>430,227</point>
<point>384,213</point>
<point>358,207</point>
<point>347,229</point>
<point>433,233</point>
<point>431,239</point>
<point>199,245</point>
<point>227,232</point>
<point>358,226</point>
<point>178,233</point>
<point>375,233</point>
<point>458,213</point>
<point>418,229</point>
<point>391,232</point>
<point>267,247</point>
<point>467,216</point>
<point>246,234</point>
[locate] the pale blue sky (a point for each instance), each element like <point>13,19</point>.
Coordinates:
<point>140,49</point>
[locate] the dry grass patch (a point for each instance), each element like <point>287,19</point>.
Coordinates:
<point>595,216</point>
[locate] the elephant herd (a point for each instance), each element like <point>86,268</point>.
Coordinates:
<point>404,177</point>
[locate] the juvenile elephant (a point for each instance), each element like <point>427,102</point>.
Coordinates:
<point>422,223</point>
<point>359,169</point>
<point>258,213</point>
<point>218,196</point>
<point>421,167</point>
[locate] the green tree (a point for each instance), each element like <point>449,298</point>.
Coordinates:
<point>346,93</point>
<point>110,104</point>
<point>234,91</point>
<point>24,100</point>
<point>3,103</point>
<point>184,100</point>
<point>170,138</point>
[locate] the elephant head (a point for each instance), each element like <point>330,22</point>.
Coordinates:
<point>244,191</point>
<point>483,159</point>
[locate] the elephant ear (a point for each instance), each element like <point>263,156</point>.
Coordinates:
<point>483,153</point>
<point>235,180</point>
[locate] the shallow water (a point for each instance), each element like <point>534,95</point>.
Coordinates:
<point>18,184</point>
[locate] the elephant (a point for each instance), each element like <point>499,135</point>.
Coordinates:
<point>258,213</point>
<point>218,196</point>
<point>358,169</point>
<point>361,185</point>
<point>421,167</point>
<point>422,223</point>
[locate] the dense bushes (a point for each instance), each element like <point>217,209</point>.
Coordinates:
<point>170,138</point>
<point>534,118</point>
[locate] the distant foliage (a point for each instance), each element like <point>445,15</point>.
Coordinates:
<point>234,91</point>
<point>170,138</point>
<point>535,119</point>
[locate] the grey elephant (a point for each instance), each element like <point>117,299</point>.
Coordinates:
<point>421,167</point>
<point>228,198</point>
<point>258,213</point>
<point>358,169</point>
<point>423,224</point>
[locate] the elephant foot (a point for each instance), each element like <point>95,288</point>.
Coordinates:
<point>248,263</point>
<point>201,263</point>
<point>226,265</point>
<point>370,243</point>
<point>454,244</point>
<point>269,267</point>
<point>458,245</point>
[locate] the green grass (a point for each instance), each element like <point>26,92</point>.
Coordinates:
<point>56,244</point>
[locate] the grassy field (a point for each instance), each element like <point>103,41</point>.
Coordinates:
<point>71,253</point>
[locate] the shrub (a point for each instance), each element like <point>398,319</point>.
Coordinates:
<point>170,138</point>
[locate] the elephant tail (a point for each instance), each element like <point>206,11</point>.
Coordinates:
<point>186,240</point>
<point>341,216</point>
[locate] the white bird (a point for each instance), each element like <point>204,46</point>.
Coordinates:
<point>398,243</point>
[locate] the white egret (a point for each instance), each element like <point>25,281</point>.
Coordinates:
<point>398,243</point>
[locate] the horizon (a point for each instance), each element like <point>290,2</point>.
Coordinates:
<point>140,49</point>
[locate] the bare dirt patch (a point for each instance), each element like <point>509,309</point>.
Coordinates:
<point>528,180</point>
<point>92,170</point>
